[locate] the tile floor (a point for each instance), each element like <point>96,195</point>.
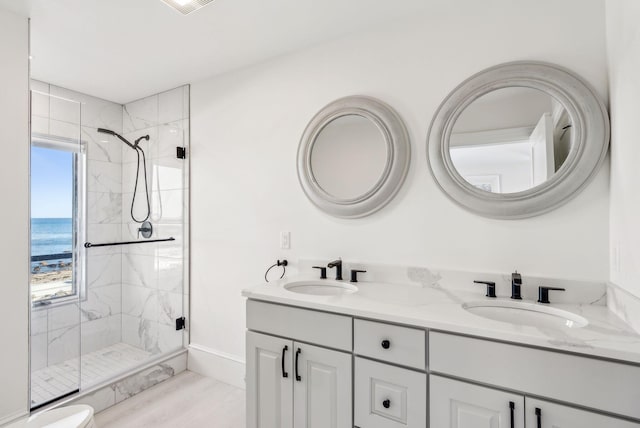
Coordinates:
<point>59,379</point>
<point>184,401</point>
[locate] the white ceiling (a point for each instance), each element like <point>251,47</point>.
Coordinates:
<point>122,50</point>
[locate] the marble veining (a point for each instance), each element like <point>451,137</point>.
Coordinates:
<point>103,270</point>
<point>100,333</point>
<point>135,384</point>
<point>104,207</point>
<point>625,305</point>
<point>104,177</point>
<point>101,302</point>
<point>433,298</point>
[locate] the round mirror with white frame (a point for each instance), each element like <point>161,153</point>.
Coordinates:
<point>518,140</point>
<point>353,157</point>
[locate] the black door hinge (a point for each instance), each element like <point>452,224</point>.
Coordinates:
<point>181,153</point>
<point>180,323</point>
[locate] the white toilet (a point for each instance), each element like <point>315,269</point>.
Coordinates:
<point>76,416</point>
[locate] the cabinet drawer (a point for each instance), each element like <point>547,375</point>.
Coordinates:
<point>388,397</point>
<point>320,328</point>
<point>398,345</point>
<point>589,382</point>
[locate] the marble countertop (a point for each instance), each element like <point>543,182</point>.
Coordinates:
<point>438,305</point>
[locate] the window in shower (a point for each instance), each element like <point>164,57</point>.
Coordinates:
<point>56,171</point>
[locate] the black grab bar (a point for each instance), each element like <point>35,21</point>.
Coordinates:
<point>90,245</point>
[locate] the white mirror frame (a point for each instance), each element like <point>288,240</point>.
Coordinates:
<point>589,146</point>
<point>397,165</point>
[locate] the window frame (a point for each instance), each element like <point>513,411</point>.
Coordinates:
<point>79,228</point>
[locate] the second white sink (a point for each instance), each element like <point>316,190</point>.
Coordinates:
<point>321,287</point>
<point>524,313</point>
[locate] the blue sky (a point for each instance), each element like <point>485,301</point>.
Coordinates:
<point>51,183</point>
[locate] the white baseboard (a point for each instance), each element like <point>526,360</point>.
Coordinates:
<point>217,365</point>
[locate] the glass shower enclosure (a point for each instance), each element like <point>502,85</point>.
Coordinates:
<point>105,299</point>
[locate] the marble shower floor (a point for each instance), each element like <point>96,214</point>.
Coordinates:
<point>54,381</point>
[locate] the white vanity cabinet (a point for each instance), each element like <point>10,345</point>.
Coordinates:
<point>455,404</point>
<point>314,369</point>
<point>290,383</point>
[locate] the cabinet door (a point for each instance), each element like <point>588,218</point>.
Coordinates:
<point>322,388</point>
<point>542,414</point>
<point>388,397</point>
<point>455,404</point>
<point>269,382</point>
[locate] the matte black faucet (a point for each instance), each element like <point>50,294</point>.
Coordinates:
<point>338,265</point>
<point>516,283</point>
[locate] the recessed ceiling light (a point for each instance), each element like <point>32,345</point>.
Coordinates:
<point>187,6</point>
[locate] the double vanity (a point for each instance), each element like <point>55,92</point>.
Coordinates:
<point>391,347</point>
<point>412,347</point>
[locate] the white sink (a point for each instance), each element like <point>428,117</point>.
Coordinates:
<point>523,313</point>
<point>321,287</point>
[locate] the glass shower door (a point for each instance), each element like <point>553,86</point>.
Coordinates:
<point>57,272</point>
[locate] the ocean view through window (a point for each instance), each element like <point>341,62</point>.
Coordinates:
<point>54,234</point>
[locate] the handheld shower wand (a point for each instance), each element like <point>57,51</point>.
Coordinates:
<point>124,140</point>
<point>135,146</point>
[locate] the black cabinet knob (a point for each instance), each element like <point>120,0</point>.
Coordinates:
<point>386,404</point>
<point>386,344</point>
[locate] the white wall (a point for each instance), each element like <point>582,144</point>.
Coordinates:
<point>623,43</point>
<point>246,128</point>
<point>14,215</point>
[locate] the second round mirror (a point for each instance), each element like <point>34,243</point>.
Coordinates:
<point>511,140</point>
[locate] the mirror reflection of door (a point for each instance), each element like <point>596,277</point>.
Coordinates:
<point>542,153</point>
<point>510,140</point>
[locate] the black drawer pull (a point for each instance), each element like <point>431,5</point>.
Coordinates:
<point>512,406</point>
<point>298,352</point>
<point>284,351</point>
<point>386,404</point>
<point>539,416</point>
<point>386,344</point>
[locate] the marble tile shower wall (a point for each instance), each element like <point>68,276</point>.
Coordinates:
<point>55,332</point>
<point>153,275</point>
